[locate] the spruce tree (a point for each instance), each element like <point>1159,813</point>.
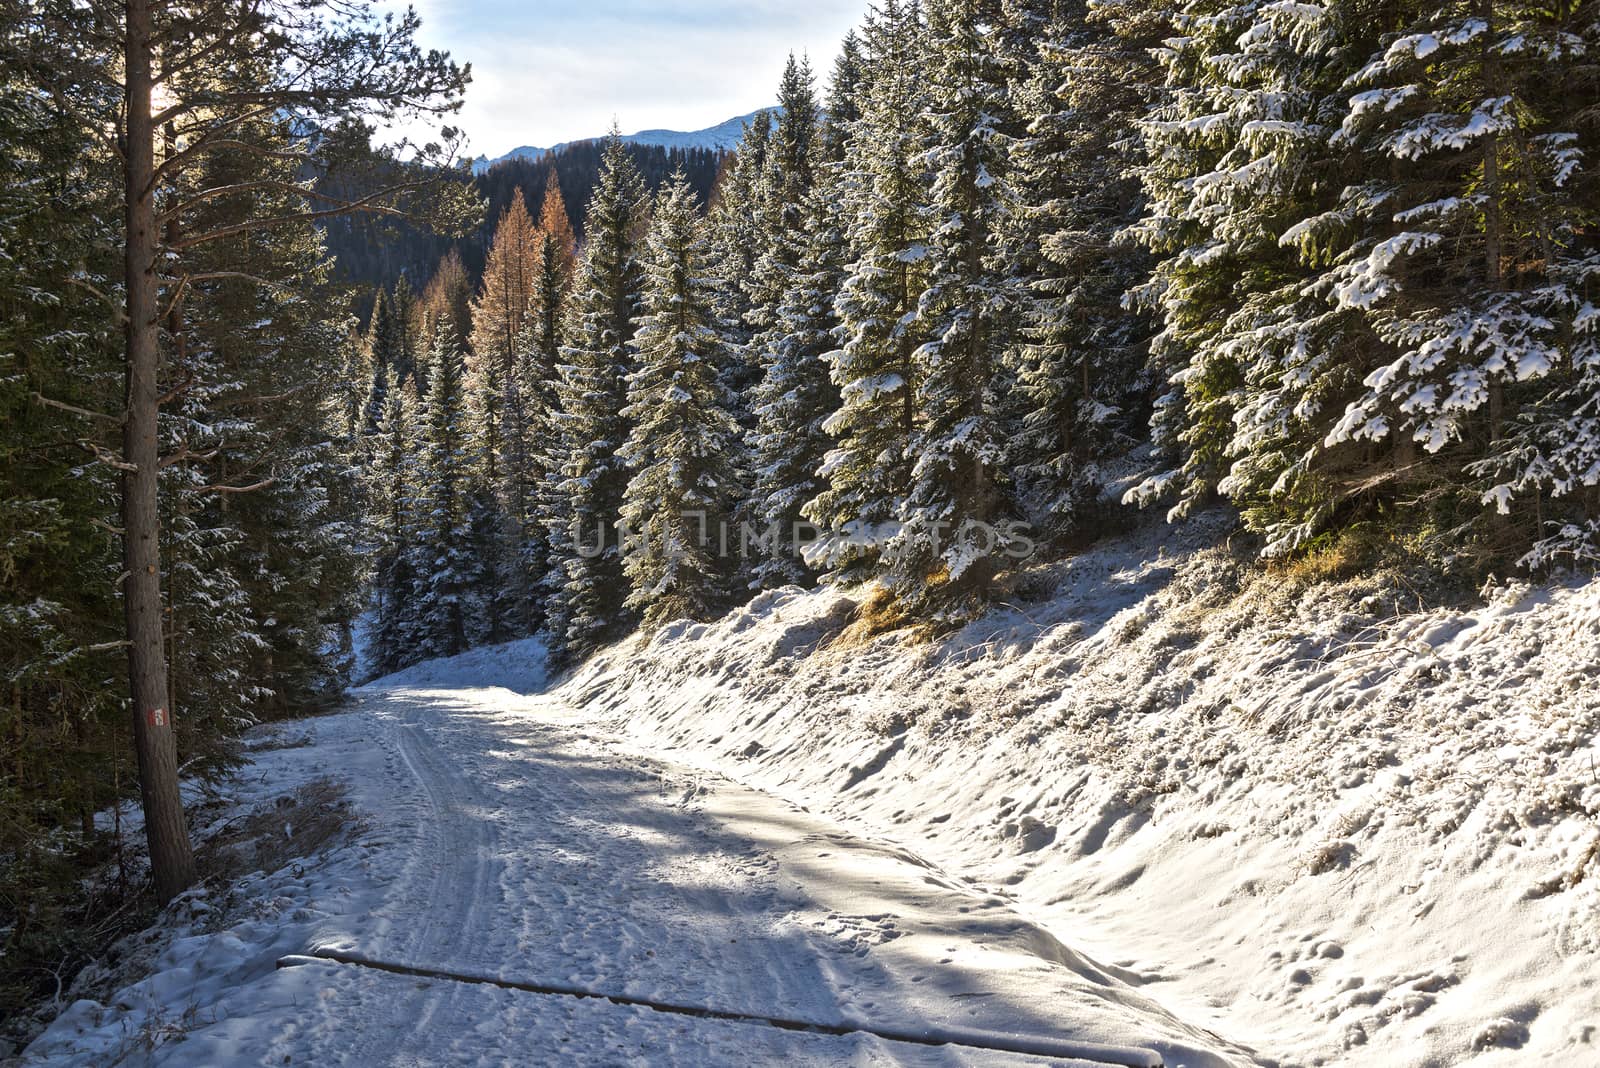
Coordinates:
<point>448,569</point>
<point>736,232</point>
<point>394,490</point>
<point>382,352</point>
<point>843,105</point>
<point>1467,251</point>
<point>950,543</point>
<point>678,505</point>
<point>1255,363</point>
<point>1084,79</point>
<point>884,199</point>
<point>796,397</point>
<point>587,584</point>
<point>791,168</point>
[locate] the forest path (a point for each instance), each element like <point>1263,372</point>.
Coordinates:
<point>522,848</point>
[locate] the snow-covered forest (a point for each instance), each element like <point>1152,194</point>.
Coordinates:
<point>1007,281</point>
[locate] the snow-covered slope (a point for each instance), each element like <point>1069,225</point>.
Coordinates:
<point>724,135</point>
<point>497,843</point>
<point>1328,824</point>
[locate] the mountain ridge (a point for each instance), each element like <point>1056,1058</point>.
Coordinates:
<point>724,135</point>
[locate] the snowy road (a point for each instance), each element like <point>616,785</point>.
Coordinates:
<point>503,841</point>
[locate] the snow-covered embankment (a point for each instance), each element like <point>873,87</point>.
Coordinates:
<point>1327,823</point>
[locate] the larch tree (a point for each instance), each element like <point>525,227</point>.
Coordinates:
<point>448,295</point>
<point>558,250</point>
<point>538,359</point>
<point>501,318</point>
<point>677,507</point>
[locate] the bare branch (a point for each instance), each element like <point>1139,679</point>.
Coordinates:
<point>183,456</point>
<point>49,402</point>
<point>178,390</point>
<point>106,456</point>
<point>111,302</point>
<point>263,484</point>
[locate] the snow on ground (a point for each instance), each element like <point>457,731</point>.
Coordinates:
<point>1165,803</point>
<point>499,837</point>
<point>1327,823</point>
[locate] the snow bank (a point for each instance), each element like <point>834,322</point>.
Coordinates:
<point>516,666</point>
<point>1330,827</point>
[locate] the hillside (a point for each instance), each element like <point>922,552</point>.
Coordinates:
<point>722,137</point>
<point>1334,823</point>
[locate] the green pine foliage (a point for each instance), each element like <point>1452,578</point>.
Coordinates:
<point>1084,79</point>
<point>582,508</point>
<point>446,563</point>
<point>950,544</point>
<point>678,506</point>
<point>885,178</point>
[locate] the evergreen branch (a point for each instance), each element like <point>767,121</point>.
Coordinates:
<point>248,187</point>
<point>223,40</point>
<point>370,204</point>
<point>208,142</point>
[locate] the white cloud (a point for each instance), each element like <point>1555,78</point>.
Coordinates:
<point>549,72</point>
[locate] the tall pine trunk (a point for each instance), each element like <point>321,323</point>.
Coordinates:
<point>171,859</point>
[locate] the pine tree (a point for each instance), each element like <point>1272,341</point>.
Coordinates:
<point>1465,250</point>
<point>395,487</point>
<point>1084,79</point>
<point>448,570</point>
<point>883,194</point>
<point>949,545</point>
<point>678,505</point>
<point>796,397</point>
<point>587,585</point>
<point>735,232</point>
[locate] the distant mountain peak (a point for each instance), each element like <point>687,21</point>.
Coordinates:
<point>723,136</point>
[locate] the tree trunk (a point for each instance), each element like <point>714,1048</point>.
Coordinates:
<point>171,859</point>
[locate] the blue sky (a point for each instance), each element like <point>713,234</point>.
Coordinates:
<point>549,72</point>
